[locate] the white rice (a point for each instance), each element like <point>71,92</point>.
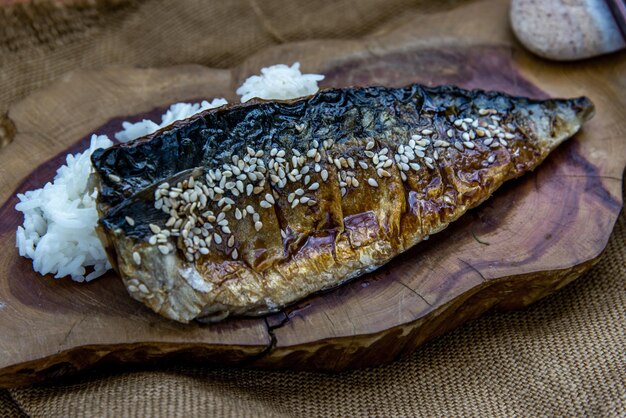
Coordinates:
<point>59,220</point>
<point>279,82</point>
<point>177,111</point>
<point>58,233</point>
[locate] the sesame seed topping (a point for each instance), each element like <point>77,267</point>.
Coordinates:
<point>372,182</point>
<point>136,258</point>
<point>164,249</point>
<point>130,221</point>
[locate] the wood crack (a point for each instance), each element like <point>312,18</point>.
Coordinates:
<point>474,269</point>
<point>415,292</point>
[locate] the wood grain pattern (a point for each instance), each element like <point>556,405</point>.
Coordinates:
<point>532,237</point>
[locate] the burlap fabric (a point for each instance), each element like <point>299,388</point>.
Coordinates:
<point>564,356</point>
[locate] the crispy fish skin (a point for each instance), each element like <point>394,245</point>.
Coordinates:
<point>303,195</point>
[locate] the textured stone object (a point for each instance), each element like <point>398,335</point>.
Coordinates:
<point>568,29</point>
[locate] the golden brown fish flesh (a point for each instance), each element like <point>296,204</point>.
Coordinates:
<point>242,210</point>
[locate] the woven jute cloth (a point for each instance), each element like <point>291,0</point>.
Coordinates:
<point>563,356</point>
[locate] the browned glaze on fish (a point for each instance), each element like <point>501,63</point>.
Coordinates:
<point>242,210</point>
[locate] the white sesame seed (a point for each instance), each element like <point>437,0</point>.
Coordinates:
<point>415,166</point>
<point>203,250</point>
<point>231,241</point>
<point>458,122</point>
<point>363,165</point>
<point>136,258</point>
<point>372,182</point>
<point>491,158</point>
<point>427,131</point>
<point>155,228</point>
<point>270,198</point>
<point>458,146</point>
<point>265,204</point>
<point>217,238</point>
<point>343,191</point>
<point>403,176</point>
<point>488,141</point>
<point>324,175</point>
<point>234,254</point>
<point>465,136</point>
<point>370,145</point>
<point>314,186</point>
<point>114,178</point>
<point>295,203</point>
<point>164,249</point>
<point>130,221</point>
<point>469,144</point>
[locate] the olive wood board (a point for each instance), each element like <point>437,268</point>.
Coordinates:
<point>535,235</point>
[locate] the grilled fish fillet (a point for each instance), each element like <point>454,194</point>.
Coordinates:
<point>244,209</point>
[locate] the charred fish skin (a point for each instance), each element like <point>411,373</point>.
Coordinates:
<point>243,210</point>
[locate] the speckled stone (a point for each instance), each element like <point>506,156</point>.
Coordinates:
<point>566,29</point>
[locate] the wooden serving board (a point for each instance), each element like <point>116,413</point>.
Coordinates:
<point>532,237</point>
